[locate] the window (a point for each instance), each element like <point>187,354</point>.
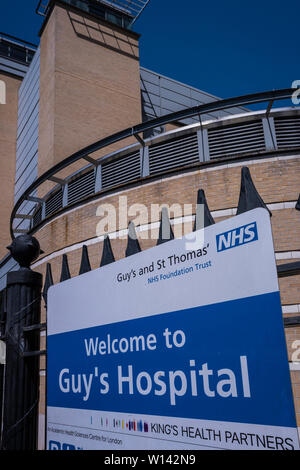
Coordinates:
<point>114,18</point>
<point>18,53</point>
<point>4,49</point>
<point>97,9</point>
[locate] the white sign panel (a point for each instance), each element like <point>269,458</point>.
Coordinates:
<point>173,348</point>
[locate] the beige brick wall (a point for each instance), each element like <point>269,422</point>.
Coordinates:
<point>292,335</point>
<point>295,378</point>
<point>8,136</point>
<point>290,289</point>
<point>222,191</point>
<point>89,84</point>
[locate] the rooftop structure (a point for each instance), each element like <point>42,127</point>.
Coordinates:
<point>120,12</point>
<point>15,54</point>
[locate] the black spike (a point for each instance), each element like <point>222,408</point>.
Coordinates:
<point>85,265</point>
<point>107,254</point>
<point>133,245</point>
<point>65,271</point>
<point>48,282</point>
<point>249,197</point>
<point>297,206</point>
<point>165,229</point>
<point>208,219</point>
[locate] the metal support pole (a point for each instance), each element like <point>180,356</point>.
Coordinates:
<point>21,390</point>
<point>2,352</point>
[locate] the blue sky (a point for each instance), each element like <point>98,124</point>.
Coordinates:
<point>225,47</point>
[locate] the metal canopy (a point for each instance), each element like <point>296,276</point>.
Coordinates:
<point>133,8</point>
<point>85,153</point>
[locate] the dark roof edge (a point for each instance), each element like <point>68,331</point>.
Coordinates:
<point>12,75</point>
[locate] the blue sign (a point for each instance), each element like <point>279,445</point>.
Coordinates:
<point>197,363</point>
<point>180,346</point>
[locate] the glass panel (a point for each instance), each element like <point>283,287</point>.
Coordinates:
<point>78,3</point>
<point>97,10</point>
<point>30,55</point>
<point>127,22</point>
<point>18,53</point>
<point>114,18</point>
<point>4,49</point>
<point>102,11</point>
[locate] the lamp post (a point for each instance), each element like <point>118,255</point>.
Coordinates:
<point>22,337</point>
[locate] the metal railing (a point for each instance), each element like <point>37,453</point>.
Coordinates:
<point>16,49</point>
<point>231,137</point>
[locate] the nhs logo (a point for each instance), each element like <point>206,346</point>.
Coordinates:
<point>55,445</point>
<point>236,237</point>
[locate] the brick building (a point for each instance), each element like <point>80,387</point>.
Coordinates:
<point>68,102</point>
